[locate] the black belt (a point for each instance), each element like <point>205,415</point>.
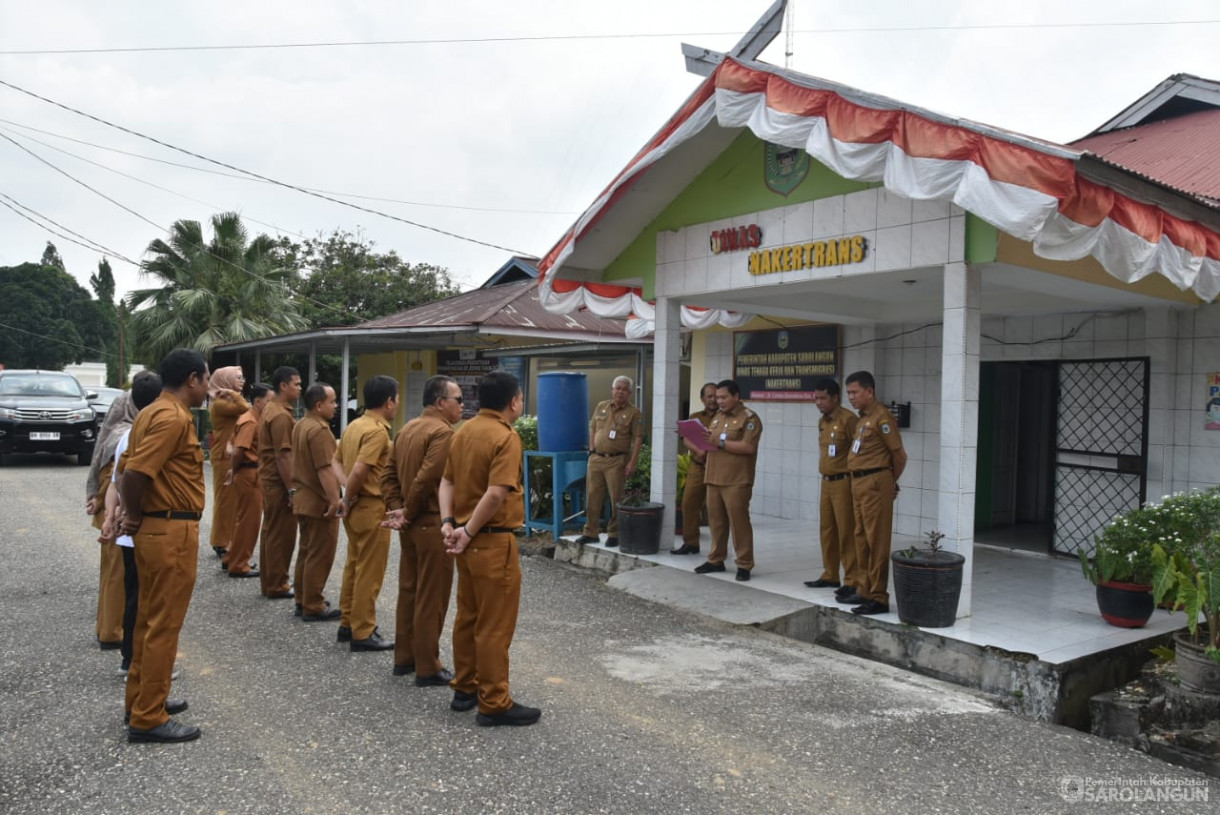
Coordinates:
<point>862,473</point>
<point>247,464</point>
<point>608,455</point>
<point>174,515</point>
<point>838,477</point>
<point>494,530</point>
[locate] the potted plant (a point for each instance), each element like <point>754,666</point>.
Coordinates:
<point>639,519</point>
<point>1186,572</point>
<point>927,583</point>
<point>1121,567</point>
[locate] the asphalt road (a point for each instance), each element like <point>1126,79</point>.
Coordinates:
<point>646,710</point>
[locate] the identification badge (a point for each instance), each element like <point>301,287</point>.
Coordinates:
<point>613,434</point>
<point>855,448</point>
<point>830,451</point>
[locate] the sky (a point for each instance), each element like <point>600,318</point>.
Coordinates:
<point>503,142</point>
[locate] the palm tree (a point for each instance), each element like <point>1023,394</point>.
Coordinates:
<point>228,290</point>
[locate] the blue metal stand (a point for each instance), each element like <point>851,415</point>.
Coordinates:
<point>568,472</point>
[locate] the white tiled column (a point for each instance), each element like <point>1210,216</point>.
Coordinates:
<point>665,398</point>
<point>1161,348</point>
<point>959,417</point>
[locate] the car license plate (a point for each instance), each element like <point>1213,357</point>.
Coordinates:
<point>44,437</point>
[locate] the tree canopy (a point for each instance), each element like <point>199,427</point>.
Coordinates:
<point>47,319</point>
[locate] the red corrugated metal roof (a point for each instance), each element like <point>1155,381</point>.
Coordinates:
<point>1182,152</point>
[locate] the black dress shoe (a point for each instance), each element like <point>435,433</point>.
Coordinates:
<point>611,542</point>
<point>404,669</point>
<point>110,645</point>
<point>685,549</point>
<point>281,595</point>
<point>251,573</point>
<point>743,575</point>
<point>298,610</point>
<point>344,634</point>
<point>322,616</point>
<point>220,551</point>
<point>822,583</point>
<point>850,599</point>
<point>843,591</point>
<point>171,731</point>
<point>463,702</point>
<point>871,607</point>
<point>373,642</point>
<point>441,677</point>
<point>587,539</point>
<point>224,567</point>
<point>172,706</point>
<point>515,716</point>
<point>708,567</point>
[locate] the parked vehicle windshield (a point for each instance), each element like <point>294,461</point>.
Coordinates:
<point>39,385</point>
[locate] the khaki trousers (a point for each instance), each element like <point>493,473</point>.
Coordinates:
<point>319,538</point>
<point>425,581</point>
<point>224,504</point>
<point>247,516</point>
<point>167,553</point>
<point>488,596</point>
<point>838,532</point>
<point>873,502</point>
<point>728,509</point>
<point>279,539</point>
<point>368,550</point>
<point>694,495</point>
<point>605,474</point>
<point>110,595</point>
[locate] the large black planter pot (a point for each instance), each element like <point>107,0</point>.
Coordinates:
<point>639,528</point>
<point>1195,668</point>
<point>927,587</point>
<point>1126,605</point>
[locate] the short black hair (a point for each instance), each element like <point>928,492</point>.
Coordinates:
<point>259,389</point>
<point>145,388</point>
<point>283,375</point>
<point>379,390</point>
<point>729,385</point>
<point>315,393</point>
<point>178,366</point>
<point>707,385</point>
<point>828,385</point>
<point>435,388</point>
<point>862,378</point>
<point>498,389</point>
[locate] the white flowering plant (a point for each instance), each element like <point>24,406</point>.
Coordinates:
<point>1186,572</point>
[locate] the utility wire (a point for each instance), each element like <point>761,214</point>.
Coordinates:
<point>92,246</point>
<point>286,185</point>
<point>248,179</point>
<point>59,340</point>
<point>588,37</point>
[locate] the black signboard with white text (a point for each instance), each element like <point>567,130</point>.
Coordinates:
<point>782,365</point>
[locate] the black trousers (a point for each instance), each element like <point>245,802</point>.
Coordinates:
<point>131,592</point>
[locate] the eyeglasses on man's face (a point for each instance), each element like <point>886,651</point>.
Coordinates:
<point>457,399</point>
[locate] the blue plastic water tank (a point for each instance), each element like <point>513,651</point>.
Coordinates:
<point>563,411</point>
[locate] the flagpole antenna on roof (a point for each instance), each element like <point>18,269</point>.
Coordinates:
<point>703,61</point>
<point>789,25</point>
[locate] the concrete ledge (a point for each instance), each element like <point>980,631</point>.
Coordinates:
<point>728,602</point>
<point>606,561</point>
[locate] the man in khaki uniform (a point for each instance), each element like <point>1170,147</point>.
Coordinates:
<point>162,493</point>
<point>481,504</point>
<point>836,431</point>
<point>616,433</point>
<point>425,571</point>
<point>243,480</point>
<point>694,491</point>
<point>279,535</point>
<point>316,479</point>
<point>729,476</point>
<point>364,452</point>
<point>876,461</point>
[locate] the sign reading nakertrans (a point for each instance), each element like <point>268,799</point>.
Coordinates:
<point>784,365</point>
<point>812,255</point>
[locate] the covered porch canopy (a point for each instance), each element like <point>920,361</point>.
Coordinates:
<point>1031,227</point>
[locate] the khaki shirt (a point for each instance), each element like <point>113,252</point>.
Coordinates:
<point>614,430</point>
<point>274,435</point>
<point>486,451</point>
<point>876,441</point>
<point>420,452</point>
<point>225,412</point>
<point>705,418</point>
<point>836,433</point>
<point>367,439</point>
<point>163,446</point>
<point>725,469</point>
<point>313,447</point>
<point>245,435</point>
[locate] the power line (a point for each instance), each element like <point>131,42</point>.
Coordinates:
<point>267,179</point>
<point>59,340</point>
<point>92,245</point>
<point>588,37</point>
<point>248,179</point>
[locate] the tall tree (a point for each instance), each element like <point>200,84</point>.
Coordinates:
<point>102,282</point>
<point>228,289</point>
<point>47,319</point>
<point>344,280</point>
<point>50,257</point>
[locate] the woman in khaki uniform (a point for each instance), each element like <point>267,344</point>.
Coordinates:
<point>110,595</point>
<point>227,407</point>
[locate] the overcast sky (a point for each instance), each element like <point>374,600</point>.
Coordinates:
<point>502,142</point>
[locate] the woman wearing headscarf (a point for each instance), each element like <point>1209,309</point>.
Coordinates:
<point>110,597</point>
<point>227,407</point>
